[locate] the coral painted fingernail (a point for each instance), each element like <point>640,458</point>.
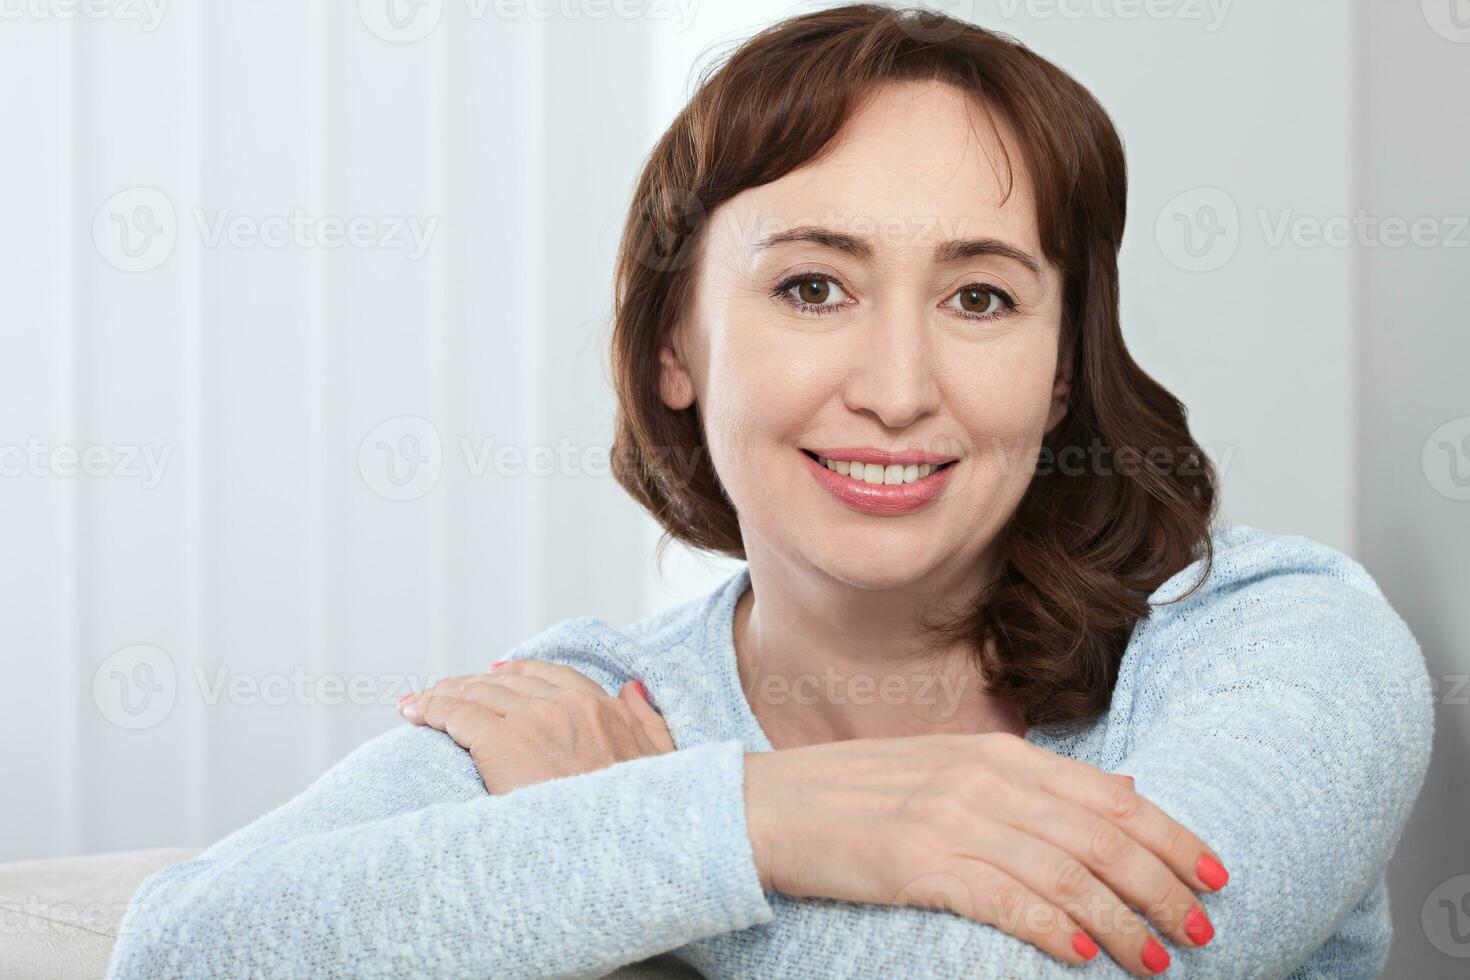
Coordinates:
<point>1197,927</point>
<point>498,663</point>
<point>1155,957</point>
<point>1211,872</point>
<point>1084,945</point>
<point>638,686</point>
<point>408,707</point>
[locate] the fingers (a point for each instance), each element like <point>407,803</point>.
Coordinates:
<point>1113,797</point>
<point>473,688</point>
<point>499,693</point>
<point>464,721</point>
<point>631,693</point>
<point>650,721</point>
<point>1188,857</point>
<point>558,674</point>
<point>992,897</point>
<point>1129,870</point>
<point>1059,877</point>
<point>501,689</point>
<point>511,684</point>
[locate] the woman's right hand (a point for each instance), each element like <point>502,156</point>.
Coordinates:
<point>989,826</point>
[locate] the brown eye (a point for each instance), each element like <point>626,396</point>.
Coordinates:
<point>978,300</point>
<point>814,291</point>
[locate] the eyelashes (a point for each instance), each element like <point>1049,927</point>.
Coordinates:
<point>811,294</point>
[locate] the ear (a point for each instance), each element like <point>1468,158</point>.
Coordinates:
<point>675,386</point>
<point>1061,387</point>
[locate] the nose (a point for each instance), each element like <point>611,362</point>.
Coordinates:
<point>892,365</point>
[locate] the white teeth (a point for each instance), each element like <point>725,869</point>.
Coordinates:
<point>876,474</point>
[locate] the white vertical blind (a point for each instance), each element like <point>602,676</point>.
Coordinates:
<point>334,259</point>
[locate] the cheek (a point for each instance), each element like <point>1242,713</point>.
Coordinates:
<point>1003,396</point>
<point>739,400</point>
<point>764,386</point>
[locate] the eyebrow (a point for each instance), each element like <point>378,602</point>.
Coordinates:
<point>965,248</point>
<point>950,251</point>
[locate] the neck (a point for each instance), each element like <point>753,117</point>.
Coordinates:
<point>822,660</point>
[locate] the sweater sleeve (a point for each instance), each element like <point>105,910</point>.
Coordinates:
<point>396,862</point>
<point>1287,721</point>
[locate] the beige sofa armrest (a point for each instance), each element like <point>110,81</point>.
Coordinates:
<point>59,918</point>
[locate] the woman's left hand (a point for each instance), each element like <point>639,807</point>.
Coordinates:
<point>527,721</point>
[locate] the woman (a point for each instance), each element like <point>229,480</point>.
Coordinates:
<point>990,694</point>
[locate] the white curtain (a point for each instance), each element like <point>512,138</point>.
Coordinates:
<point>302,385</point>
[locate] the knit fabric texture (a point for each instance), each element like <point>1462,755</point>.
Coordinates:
<point>1283,713</point>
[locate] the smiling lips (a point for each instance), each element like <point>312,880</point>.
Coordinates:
<point>884,484</point>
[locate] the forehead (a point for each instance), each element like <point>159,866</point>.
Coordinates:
<point>917,163</point>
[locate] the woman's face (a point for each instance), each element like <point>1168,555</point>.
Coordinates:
<point>880,298</point>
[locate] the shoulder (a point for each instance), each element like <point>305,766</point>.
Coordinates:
<point>1243,554</point>
<point>1285,584</point>
<point>1293,622</point>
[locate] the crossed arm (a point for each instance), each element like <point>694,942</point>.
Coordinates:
<point>1295,751</point>
<point>397,862</point>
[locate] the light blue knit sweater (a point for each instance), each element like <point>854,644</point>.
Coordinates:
<point>1282,713</point>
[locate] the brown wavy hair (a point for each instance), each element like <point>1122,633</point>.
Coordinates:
<point>1087,545</point>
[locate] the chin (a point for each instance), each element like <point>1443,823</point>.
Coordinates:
<point>875,567</point>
